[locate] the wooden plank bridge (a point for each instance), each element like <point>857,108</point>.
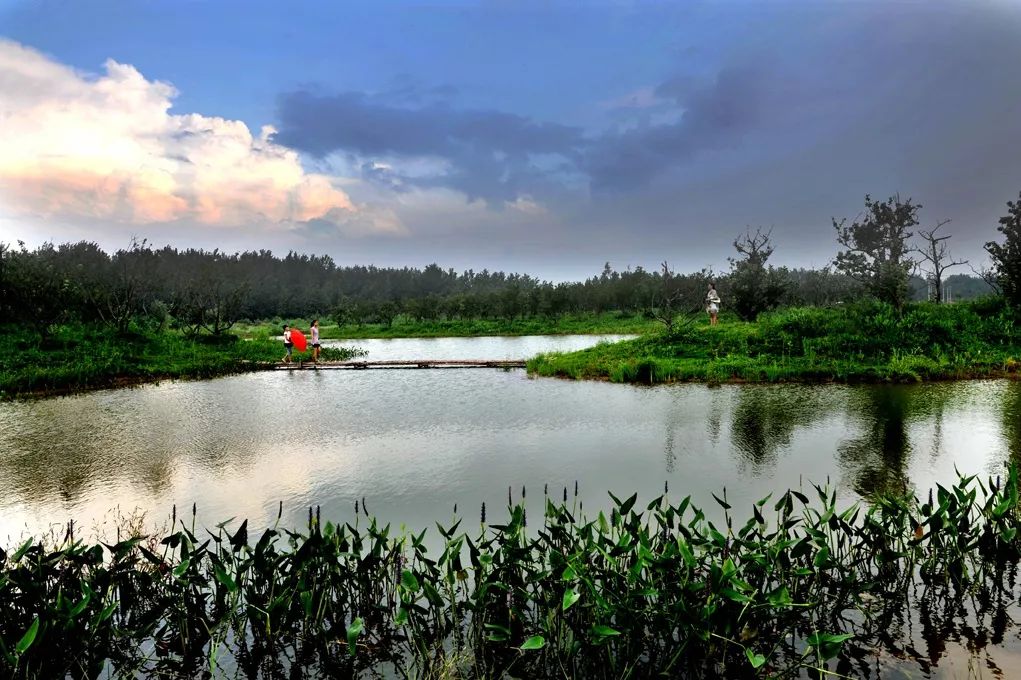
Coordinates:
<point>403,364</point>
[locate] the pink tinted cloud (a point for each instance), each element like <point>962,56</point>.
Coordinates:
<point>108,147</point>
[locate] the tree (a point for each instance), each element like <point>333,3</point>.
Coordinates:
<point>876,248</point>
<point>387,311</point>
<point>989,277</point>
<point>754,287</point>
<point>821,287</point>
<point>5,294</point>
<point>214,297</point>
<point>679,295</point>
<point>667,299</point>
<point>38,288</point>
<point>935,253</point>
<point>1006,256</point>
<point>117,288</point>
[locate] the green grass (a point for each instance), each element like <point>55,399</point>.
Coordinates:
<point>78,357</point>
<point>404,327</point>
<point>868,342</point>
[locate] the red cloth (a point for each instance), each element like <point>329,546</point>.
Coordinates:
<point>298,339</point>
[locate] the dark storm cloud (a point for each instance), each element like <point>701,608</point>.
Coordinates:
<point>710,116</point>
<point>489,152</point>
<point>788,130</point>
<point>920,100</point>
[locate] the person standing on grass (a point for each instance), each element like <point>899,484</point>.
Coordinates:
<point>288,345</point>
<point>712,304</point>
<point>315,341</point>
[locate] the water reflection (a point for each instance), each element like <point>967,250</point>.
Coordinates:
<point>416,442</point>
<point>1012,420</point>
<point>766,418</point>
<point>876,460</point>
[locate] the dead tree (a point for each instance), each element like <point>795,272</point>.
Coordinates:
<point>936,258</point>
<point>989,276</point>
<point>680,298</point>
<point>666,300</point>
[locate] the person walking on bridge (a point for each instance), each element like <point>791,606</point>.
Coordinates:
<point>288,345</point>
<point>315,341</point>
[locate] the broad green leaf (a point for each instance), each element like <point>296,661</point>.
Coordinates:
<point>223,577</point>
<point>409,581</point>
<point>734,595</point>
<point>353,631</point>
<point>80,607</point>
<point>28,638</point>
<point>497,632</point>
<point>604,631</point>
<point>827,644</point>
<point>570,597</point>
<point>780,597</point>
<point>534,642</point>
<point>432,595</point>
<point>181,568</point>
<point>20,552</point>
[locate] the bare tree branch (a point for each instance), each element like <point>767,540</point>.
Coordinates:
<point>937,255</point>
<point>989,276</point>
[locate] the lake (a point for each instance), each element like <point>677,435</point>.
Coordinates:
<point>413,443</point>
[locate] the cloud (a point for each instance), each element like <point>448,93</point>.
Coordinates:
<point>711,116</point>
<point>490,155</point>
<point>641,98</point>
<point>367,221</point>
<point>107,147</point>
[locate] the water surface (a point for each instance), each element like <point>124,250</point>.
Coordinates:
<point>415,443</point>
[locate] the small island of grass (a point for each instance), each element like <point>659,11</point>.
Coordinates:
<point>863,342</point>
<point>73,357</point>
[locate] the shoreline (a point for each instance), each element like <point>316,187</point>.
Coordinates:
<point>127,381</point>
<point>75,358</point>
<point>790,380</point>
<point>650,370</point>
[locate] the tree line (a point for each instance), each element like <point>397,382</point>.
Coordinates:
<point>203,291</point>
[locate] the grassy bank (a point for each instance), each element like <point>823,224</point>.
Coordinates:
<point>405,327</point>
<point>798,587</point>
<point>867,342</point>
<point>76,357</point>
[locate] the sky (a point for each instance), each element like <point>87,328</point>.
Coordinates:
<point>545,137</point>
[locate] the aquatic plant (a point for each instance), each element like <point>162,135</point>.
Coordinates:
<point>803,587</point>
